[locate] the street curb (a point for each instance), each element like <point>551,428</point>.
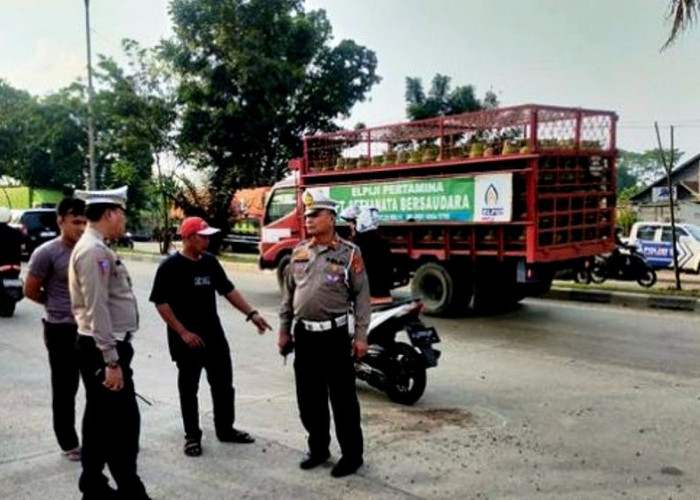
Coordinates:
<point>622,299</point>
<point>157,259</point>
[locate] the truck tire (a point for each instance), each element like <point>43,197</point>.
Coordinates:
<point>282,266</point>
<point>494,288</point>
<point>436,287</point>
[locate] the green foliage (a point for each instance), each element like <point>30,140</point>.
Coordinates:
<point>641,169</point>
<point>626,217</point>
<point>41,140</point>
<point>441,100</point>
<point>254,77</point>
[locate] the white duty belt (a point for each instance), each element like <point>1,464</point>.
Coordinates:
<point>324,326</point>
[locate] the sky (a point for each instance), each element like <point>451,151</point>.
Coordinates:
<point>600,54</point>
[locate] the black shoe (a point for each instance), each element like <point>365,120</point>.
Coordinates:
<point>102,494</point>
<point>312,460</point>
<point>236,436</point>
<point>346,466</point>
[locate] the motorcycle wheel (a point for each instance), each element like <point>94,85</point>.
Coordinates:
<point>598,274</point>
<point>407,382</point>
<point>648,279</point>
<point>583,276</point>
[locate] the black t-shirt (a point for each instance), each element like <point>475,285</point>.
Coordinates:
<point>11,246</point>
<point>188,287</point>
<point>378,258</point>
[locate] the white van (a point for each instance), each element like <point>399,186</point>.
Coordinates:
<point>654,239</point>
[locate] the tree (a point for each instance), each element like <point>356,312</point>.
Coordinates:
<point>683,14</point>
<point>255,76</point>
<point>641,169</point>
<point>42,141</point>
<point>15,106</point>
<point>441,100</point>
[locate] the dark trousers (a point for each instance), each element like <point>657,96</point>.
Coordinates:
<point>215,358</point>
<point>60,340</point>
<point>324,369</point>
<point>111,424</point>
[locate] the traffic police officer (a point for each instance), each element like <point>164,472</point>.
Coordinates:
<point>325,279</point>
<point>105,310</point>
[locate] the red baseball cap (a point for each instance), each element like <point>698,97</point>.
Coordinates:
<point>196,225</point>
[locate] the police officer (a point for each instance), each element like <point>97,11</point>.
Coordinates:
<point>326,277</point>
<point>105,310</point>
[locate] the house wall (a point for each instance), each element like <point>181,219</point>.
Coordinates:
<point>684,212</point>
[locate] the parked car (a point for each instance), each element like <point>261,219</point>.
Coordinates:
<point>141,235</point>
<point>38,225</point>
<point>655,240</point>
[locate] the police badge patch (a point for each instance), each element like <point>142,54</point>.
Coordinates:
<point>103,265</point>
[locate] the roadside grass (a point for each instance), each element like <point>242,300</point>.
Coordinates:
<point>246,258</point>
<point>662,289</point>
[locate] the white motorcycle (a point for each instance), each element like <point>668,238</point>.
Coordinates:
<point>394,367</point>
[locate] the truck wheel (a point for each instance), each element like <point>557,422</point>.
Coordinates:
<point>434,285</point>
<point>282,266</point>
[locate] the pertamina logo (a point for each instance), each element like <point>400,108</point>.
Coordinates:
<point>491,199</point>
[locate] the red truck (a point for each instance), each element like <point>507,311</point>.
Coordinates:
<point>480,209</point>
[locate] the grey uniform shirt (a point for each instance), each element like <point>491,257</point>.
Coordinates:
<point>49,263</point>
<point>322,281</point>
<point>100,288</point>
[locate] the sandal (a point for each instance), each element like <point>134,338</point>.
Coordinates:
<point>236,436</point>
<point>193,448</point>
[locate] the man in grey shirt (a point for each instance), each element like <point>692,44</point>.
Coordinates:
<point>47,284</point>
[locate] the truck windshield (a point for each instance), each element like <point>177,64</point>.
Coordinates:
<point>282,202</point>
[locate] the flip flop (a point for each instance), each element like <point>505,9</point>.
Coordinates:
<point>193,448</point>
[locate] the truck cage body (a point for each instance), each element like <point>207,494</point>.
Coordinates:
<point>562,162</point>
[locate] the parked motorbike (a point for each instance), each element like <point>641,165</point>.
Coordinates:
<point>626,264</point>
<point>10,289</point>
<point>394,367</point>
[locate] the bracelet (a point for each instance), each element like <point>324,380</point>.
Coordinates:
<point>250,315</point>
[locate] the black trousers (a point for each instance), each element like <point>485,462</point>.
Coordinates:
<point>61,340</point>
<point>324,369</point>
<point>111,424</point>
<point>215,358</point>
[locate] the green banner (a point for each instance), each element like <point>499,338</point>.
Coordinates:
<point>449,199</point>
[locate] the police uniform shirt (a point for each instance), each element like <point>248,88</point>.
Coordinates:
<point>103,302</point>
<point>321,282</point>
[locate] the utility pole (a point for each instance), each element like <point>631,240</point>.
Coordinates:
<point>91,184</point>
<point>668,166</point>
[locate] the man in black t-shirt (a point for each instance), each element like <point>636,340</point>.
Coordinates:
<point>184,295</point>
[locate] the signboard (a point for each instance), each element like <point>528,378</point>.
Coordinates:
<point>478,198</point>
<point>661,193</point>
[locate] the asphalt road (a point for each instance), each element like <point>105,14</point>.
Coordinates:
<point>553,400</point>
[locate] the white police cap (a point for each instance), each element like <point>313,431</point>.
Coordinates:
<point>350,213</point>
<point>112,196</point>
<point>316,199</point>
